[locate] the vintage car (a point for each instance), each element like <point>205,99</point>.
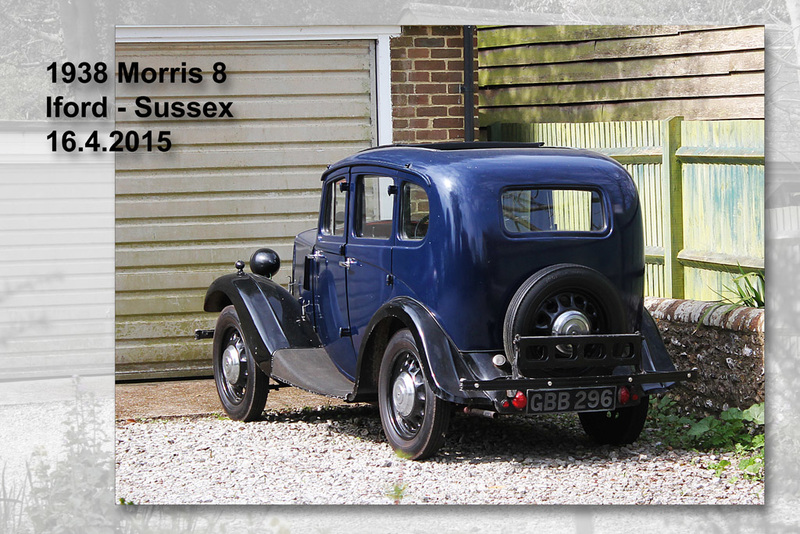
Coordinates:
<point>493,278</point>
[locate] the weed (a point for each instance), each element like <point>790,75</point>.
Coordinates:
<point>735,431</point>
<point>671,425</point>
<point>126,502</point>
<point>76,481</point>
<point>11,504</point>
<point>747,290</point>
<point>397,492</point>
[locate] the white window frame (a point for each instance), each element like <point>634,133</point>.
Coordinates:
<point>215,34</point>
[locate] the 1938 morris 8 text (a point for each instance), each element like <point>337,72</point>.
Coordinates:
<point>494,278</point>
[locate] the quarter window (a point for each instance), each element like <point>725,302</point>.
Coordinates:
<point>415,212</point>
<point>552,210</point>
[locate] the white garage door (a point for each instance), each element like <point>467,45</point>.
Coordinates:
<point>227,186</point>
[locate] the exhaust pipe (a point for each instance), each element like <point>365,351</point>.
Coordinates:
<point>479,412</point>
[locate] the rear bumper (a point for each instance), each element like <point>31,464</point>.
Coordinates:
<point>501,384</point>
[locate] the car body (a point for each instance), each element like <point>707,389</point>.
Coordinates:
<point>497,278</point>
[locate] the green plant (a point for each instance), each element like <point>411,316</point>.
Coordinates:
<point>670,425</point>
<point>397,492</point>
<point>735,431</point>
<point>78,479</point>
<point>747,290</point>
<point>733,427</point>
<point>11,505</point>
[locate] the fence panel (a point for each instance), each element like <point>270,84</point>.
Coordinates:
<point>701,185</point>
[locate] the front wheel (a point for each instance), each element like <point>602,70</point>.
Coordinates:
<point>241,385</point>
<point>414,419</point>
<point>617,427</point>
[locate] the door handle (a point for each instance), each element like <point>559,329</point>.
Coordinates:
<point>348,262</point>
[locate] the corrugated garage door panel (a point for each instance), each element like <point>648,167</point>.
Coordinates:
<point>55,258</point>
<point>227,186</point>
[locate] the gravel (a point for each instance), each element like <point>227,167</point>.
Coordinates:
<point>338,455</point>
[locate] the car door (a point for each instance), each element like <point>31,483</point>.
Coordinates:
<point>330,276</point>
<point>369,246</point>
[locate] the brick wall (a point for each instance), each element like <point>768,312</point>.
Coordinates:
<point>427,80</point>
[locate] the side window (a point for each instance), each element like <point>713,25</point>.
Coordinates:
<point>374,207</point>
<point>415,212</point>
<point>334,209</point>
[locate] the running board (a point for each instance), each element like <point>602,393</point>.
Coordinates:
<point>312,370</point>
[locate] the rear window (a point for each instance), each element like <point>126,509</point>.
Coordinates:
<point>552,210</point>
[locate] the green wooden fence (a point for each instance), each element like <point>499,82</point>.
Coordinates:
<point>701,185</point>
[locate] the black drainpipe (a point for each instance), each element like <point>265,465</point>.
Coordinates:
<point>469,85</point>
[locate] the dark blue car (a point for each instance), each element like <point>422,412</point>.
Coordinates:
<point>493,278</point>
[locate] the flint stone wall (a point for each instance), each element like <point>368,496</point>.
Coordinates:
<point>727,348</point>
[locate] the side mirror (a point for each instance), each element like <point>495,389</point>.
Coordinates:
<point>265,262</point>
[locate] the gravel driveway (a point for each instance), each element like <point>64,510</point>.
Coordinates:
<point>338,455</point>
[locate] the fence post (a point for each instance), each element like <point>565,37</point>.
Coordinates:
<point>672,180</point>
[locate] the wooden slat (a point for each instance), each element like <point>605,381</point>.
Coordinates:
<point>697,108</point>
<point>625,90</point>
<point>724,40</point>
<point>520,35</point>
<point>209,207</point>
<point>285,107</point>
<point>311,132</point>
<point>153,183</point>
<point>210,230</point>
<point>262,84</point>
<point>637,68</point>
<point>237,157</point>
<point>219,253</point>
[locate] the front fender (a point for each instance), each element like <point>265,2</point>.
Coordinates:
<point>442,363</point>
<point>270,316</point>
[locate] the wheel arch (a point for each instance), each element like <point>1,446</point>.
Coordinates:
<point>438,354</point>
<point>269,315</point>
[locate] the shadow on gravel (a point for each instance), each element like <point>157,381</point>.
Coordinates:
<point>470,439</point>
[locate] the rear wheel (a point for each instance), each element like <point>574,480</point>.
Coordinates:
<point>414,419</point>
<point>241,385</point>
<point>617,427</point>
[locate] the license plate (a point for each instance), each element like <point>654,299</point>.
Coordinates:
<point>572,400</point>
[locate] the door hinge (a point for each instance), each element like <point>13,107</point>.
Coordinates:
<point>345,332</point>
<point>389,279</point>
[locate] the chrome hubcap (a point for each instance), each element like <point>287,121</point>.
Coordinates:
<point>571,323</point>
<point>231,364</point>
<point>403,394</point>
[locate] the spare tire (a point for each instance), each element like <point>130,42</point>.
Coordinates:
<point>556,295</point>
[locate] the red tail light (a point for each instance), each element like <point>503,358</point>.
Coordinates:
<point>519,401</point>
<point>624,395</point>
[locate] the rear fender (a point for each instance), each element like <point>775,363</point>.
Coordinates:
<point>439,355</point>
<point>655,357</point>
<point>271,317</point>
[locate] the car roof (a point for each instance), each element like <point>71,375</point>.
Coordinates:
<point>468,161</point>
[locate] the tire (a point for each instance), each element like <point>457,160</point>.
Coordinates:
<point>618,427</point>
<point>242,388</point>
<point>555,290</point>
<point>414,419</point>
